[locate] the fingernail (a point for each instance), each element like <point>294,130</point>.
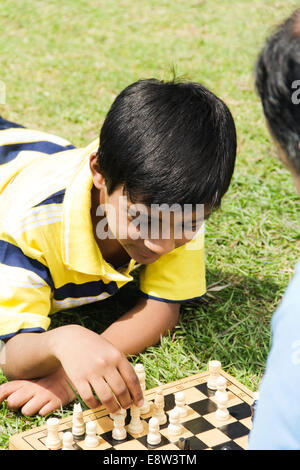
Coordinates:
<point>140,403</point>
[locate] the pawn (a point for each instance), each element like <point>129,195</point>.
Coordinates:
<point>119,432</point>
<point>214,368</point>
<point>159,405</point>
<point>53,441</point>
<point>174,428</point>
<point>68,441</point>
<point>181,404</point>
<point>153,436</point>
<point>91,438</point>
<point>221,397</point>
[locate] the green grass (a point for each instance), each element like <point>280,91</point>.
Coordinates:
<point>64,63</point>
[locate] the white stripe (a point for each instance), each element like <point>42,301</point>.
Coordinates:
<point>36,215</point>
<point>71,302</point>
<point>38,224</point>
<point>20,277</point>
<point>19,136</point>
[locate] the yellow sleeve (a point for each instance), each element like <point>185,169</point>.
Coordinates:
<point>178,276</point>
<point>25,294</point>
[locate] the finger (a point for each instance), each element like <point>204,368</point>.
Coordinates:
<point>9,388</point>
<point>119,388</point>
<point>85,391</point>
<point>105,394</point>
<point>52,405</point>
<point>19,398</point>
<point>132,382</point>
<point>34,404</point>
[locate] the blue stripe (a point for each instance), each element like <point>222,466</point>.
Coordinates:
<point>23,330</point>
<point>10,151</point>
<point>170,301</point>
<point>56,198</point>
<point>11,255</point>
<point>5,124</point>
<point>88,289</point>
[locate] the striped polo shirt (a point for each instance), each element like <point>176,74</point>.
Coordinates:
<point>49,258</point>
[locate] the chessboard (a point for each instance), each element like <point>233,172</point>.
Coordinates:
<point>201,429</point>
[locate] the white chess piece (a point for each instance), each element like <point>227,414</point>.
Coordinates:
<point>159,405</point>
<point>91,438</point>
<point>53,440</point>
<point>68,441</point>
<point>136,425</point>
<point>119,432</point>
<point>78,425</point>
<point>181,404</point>
<point>221,397</point>
<point>140,372</point>
<point>174,428</point>
<point>214,368</point>
<point>153,436</point>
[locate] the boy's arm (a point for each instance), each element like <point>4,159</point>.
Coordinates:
<point>143,325</point>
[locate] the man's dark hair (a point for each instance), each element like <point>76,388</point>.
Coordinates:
<point>277,73</point>
<point>168,142</point>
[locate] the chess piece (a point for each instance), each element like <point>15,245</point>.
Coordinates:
<point>181,404</point>
<point>78,425</point>
<point>91,438</point>
<point>214,368</point>
<point>119,432</point>
<point>140,372</point>
<point>159,405</point>
<point>174,428</point>
<point>254,404</point>
<point>53,441</point>
<point>68,441</point>
<point>221,397</point>
<point>153,436</point>
<point>136,425</point>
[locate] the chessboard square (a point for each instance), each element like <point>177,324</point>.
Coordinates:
<point>242,442</point>
<point>101,446</point>
<point>234,430</point>
<point>247,422</point>
<point>217,423</point>
<point>193,395</point>
<point>198,425</point>
<point>107,436</point>
<point>169,402</point>
<point>204,407</point>
<point>230,445</point>
<point>143,440</point>
<point>240,411</point>
<point>104,424</point>
<point>130,445</point>
<point>206,391</point>
<point>213,437</point>
<point>169,447</point>
<point>196,443</point>
<point>145,430</point>
<point>184,433</point>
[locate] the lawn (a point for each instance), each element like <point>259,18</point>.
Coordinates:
<point>63,63</point>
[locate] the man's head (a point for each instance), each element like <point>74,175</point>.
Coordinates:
<point>278,85</point>
<point>166,143</point>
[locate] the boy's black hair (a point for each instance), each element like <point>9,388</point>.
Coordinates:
<point>277,72</point>
<point>168,142</point>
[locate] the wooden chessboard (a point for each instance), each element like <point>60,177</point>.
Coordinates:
<point>199,426</point>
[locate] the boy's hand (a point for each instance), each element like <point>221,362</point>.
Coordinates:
<point>38,396</point>
<point>92,362</point>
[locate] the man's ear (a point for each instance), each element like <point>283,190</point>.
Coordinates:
<point>98,178</point>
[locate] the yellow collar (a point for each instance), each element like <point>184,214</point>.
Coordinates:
<point>80,251</point>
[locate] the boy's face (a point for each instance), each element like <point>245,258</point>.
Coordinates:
<point>146,233</point>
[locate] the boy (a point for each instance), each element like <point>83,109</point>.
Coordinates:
<point>277,417</point>
<point>69,235</point>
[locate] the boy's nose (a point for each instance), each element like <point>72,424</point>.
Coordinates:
<point>160,247</point>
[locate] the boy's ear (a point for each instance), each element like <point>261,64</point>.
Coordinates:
<point>98,178</point>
